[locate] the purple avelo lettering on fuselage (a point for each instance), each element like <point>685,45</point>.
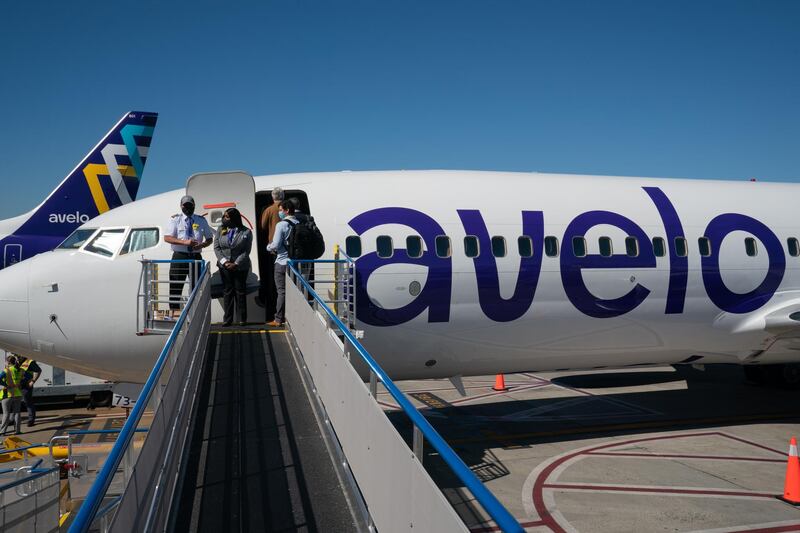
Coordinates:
<point>723,297</point>
<point>493,305</point>
<point>572,265</point>
<point>678,266</point>
<point>435,296</point>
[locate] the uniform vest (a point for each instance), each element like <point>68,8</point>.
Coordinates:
<point>15,374</point>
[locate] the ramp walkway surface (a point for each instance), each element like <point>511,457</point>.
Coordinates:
<point>257,459</point>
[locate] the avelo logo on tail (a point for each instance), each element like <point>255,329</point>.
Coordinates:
<point>107,177</point>
<point>69,218</point>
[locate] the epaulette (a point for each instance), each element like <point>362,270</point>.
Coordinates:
<point>176,215</point>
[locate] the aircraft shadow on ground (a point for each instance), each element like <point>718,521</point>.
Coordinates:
<point>714,398</point>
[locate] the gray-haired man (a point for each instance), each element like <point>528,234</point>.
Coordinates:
<point>269,219</point>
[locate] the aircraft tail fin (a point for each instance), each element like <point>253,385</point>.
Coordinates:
<point>107,177</point>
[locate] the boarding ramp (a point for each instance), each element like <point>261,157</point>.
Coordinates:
<point>249,433</point>
<point>399,493</point>
<point>148,474</point>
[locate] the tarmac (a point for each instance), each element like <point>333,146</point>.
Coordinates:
<point>648,449</point>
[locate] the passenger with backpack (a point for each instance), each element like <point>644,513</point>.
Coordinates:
<point>296,238</point>
<point>279,247</point>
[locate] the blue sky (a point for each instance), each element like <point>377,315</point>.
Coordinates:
<point>697,89</point>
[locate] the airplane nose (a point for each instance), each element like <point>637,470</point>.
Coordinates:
<point>14,316</point>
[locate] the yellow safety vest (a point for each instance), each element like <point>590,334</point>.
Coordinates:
<point>14,374</point>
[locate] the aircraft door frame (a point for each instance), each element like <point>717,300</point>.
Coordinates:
<point>213,193</point>
<point>8,255</point>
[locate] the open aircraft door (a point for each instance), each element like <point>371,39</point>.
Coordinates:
<point>213,193</point>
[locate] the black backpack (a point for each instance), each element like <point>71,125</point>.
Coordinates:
<point>305,240</point>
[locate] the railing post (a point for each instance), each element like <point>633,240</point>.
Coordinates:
<point>127,465</point>
<point>373,385</point>
<point>419,443</point>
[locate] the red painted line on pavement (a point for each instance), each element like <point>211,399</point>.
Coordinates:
<point>685,456</point>
<point>757,445</point>
<point>538,486</point>
<point>774,529</point>
<point>486,529</point>
<point>658,490</point>
<point>389,405</point>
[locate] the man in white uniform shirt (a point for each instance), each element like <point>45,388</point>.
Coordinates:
<point>187,233</point>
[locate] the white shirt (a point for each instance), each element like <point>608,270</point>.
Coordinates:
<point>182,227</point>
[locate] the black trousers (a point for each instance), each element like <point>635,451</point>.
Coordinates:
<point>234,293</point>
<point>178,272</point>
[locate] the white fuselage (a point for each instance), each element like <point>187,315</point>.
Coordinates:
<point>487,314</point>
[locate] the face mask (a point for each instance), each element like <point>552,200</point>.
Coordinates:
<point>281,215</point>
<point>188,210</point>
<point>226,222</point>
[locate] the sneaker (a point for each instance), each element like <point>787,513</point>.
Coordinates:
<point>275,324</point>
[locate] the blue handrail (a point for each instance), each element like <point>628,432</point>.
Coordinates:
<point>488,501</point>
<point>91,505</point>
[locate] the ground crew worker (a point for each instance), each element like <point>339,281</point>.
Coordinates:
<point>11,395</point>
<point>188,234</point>
<point>32,371</point>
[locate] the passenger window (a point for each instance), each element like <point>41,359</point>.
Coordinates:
<point>606,250</point>
<point>106,243</point>
<point>705,246</point>
<point>471,248</point>
<point>383,245</point>
<point>352,245</point>
<point>632,246</point>
<point>499,246</point>
<point>76,240</point>
<point>140,239</point>
<point>579,247</point>
<point>443,246</point>
<point>681,249</point>
<point>551,246</point>
<point>525,246</point>
<point>414,246</point>
<point>794,246</point>
<point>659,248</point>
<point>750,247</point>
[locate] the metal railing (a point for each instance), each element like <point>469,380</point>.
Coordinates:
<point>167,392</point>
<point>422,428</point>
<point>153,313</point>
<point>30,503</point>
<point>338,277</point>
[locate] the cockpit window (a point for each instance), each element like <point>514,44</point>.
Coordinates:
<point>107,242</point>
<point>139,239</point>
<point>78,237</point>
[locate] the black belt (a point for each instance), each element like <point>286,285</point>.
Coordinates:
<point>186,255</point>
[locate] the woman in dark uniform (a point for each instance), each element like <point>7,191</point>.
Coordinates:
<point>232,247</point>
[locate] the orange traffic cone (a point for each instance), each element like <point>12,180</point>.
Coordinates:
<point>500,383</point>
<point>791,490</point>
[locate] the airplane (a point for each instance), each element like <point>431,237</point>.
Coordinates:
<point>107,177</point>
<point>466,272</point>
